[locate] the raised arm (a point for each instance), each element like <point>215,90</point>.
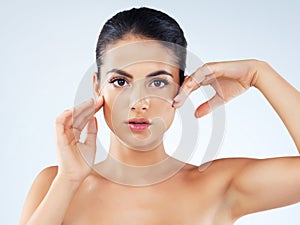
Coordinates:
<point>255,185</point>
<point>283,97</point>
<point>55,187</point>
<point>271,183</point>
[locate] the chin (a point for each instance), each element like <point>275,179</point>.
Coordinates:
<point>139,142</point>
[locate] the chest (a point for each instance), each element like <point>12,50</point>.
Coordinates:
<point>113,204</point>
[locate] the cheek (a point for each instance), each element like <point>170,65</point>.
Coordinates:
<point>164,110</point>
<point>116,108</point>
<point>109,99</point>
<point>114,105</point>
<point>170,117</point>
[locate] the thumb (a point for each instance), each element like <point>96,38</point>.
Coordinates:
<point>209,106</point>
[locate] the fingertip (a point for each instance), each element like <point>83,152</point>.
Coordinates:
<point>200,114</point>
<point>176,104</point>
<point>202,110</point>
<point>67,112</point>
<point>98,103</point>
<point>100,99</point>
<point>177,98</point>
<point>91,100</point>
<point>182,95</point>
<point>197,114</point>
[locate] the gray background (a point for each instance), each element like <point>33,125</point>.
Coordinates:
<point>46,47</point>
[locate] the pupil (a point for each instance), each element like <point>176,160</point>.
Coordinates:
<point>157,83</point>
<point>121,82</point>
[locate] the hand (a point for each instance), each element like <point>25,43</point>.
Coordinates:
<point>229,79</point>
<point>75,158</point>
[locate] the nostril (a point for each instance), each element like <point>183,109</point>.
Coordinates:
<point>141,105</point>
<point>139,108</point>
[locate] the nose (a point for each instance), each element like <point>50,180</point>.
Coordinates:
<point>139,101</point>
<point>141,105</point>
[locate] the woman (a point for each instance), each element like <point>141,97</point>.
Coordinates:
<point>138,90</point>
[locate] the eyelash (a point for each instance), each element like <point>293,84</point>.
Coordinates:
<point>116,79</point>
<point>113,80</point>
<point>165,82</point>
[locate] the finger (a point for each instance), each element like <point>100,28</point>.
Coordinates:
<point>87,149</point>
<point>200,75</point>
<point>209,106</point>
<point>66,131</point>
<point>92,129</point>
<point>82,114</point>
<point>182,94</point>
<point>99,103</point>
<point>193,82</point>
<point>62,121</point>
<point>85,115</point>
<point>82,108</point>
<point>85,110</point>
<point>208,79</point>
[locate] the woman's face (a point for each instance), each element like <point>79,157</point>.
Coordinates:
<point>139,80</point>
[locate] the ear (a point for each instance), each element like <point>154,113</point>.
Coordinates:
<point>96,86</point>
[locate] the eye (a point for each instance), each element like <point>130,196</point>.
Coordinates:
<point>119,82</point>
<point>159,83</point>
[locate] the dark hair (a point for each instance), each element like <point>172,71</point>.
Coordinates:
<point>144,22</point>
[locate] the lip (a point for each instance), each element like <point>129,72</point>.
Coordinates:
<point>138,124</point>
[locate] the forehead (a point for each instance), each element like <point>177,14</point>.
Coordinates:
<point>138,54</point>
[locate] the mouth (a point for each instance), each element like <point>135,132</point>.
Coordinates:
<point>138,124</point>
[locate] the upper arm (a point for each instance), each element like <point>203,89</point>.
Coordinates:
<point>262,184</point>
<point>37,192</point>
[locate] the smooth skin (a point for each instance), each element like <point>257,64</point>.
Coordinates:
<point>73,194</point>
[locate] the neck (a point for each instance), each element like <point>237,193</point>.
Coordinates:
<point>129,166</point>
<point>136,157</point>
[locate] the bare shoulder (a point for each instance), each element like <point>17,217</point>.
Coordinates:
<point>210,184</point>
<point>49,171</point>
<point>220,165</point>
<point>228,164</point>
<point>46,176</point>
<point>43,182</point>
<point>217,170</point>
<point>37,192</point>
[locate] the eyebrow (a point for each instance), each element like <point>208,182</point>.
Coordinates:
<point>123,73</point>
